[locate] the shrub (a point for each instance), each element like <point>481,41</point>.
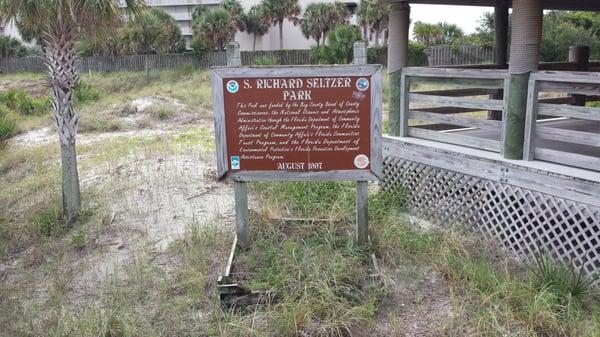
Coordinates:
<point>11,47</point>
<point>198,46</point>
<point>265,61</point>
<point>416,54</point>
<point>566,282</point>
<point>86,93</point>
<point>8,125</point>
<point>339,46</point>
<point>19,101</point>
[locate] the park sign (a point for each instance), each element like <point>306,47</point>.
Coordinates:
<point>298,123</point>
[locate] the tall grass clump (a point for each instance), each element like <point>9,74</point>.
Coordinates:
<point>19,101</point>
<point>8,125</point>
<point>266,61</point>
<point>85,93</point>
<point>332,200</point>
<point>568,283</point>
<point>304,251</point>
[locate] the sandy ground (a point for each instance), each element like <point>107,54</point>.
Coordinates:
<point>151,199</point>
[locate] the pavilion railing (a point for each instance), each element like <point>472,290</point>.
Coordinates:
<point>453,105</point>
<point>572,136</point>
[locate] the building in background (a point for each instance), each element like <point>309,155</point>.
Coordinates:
<point>292,35</point>
<point>10,29</point>
<point>182,11</point>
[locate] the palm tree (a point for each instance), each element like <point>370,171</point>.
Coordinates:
<point>336,14</point>
<point>313,22</point>
<point>236,11</point>
<point>362,13</point>
<point>216,27</point>
<point>256,24</point>
<point>320,18</point>
<point>152,31</point>
<point>60,24</point>
<point>276,11</point>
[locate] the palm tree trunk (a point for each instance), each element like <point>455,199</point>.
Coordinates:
<point>63,73</point>
<point>281,35</point>
<point>254,43</point>
<point>365,34</point>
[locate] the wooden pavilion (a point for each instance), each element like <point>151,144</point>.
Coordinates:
<point>508,148</point>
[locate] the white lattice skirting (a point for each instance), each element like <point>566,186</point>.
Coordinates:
<point>521,219</point>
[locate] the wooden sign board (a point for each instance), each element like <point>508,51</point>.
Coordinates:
<point>298,123</point>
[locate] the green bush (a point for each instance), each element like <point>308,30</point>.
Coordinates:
<point>339,46</point>
<point>198,46</point>
<point>8,125</point>
<point>416,54</point>
<point>265,61</point>
<point>86,93</point>
<point>19,101</point>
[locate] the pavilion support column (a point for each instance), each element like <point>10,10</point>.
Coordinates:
<point>399,23</point>
<point>580,56</point>
<point>500,46</point>
<point>524,58</point>
<point>501,33</point>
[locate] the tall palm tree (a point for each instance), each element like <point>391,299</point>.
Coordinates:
<point>235,9</point>
<point>60,24</point>
<point>277,11</point>
<point>256,24</point>
<point>313,21</point>
<point>320,18</point>
<point>216,28</point>
<point>364,17</point>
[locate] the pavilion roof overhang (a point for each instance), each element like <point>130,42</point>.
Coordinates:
<point>574,5</point>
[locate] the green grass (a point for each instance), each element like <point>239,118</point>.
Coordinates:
<point>103,99</point>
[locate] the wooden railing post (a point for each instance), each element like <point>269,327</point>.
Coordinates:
<point>580,56</point>
<point>527,20</point>
<point>362,187</point>
<point>240,188</point>
<point>234,58</point>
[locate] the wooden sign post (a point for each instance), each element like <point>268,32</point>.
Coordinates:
<point>301,123</point>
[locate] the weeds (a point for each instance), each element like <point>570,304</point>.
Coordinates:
<point>567,282</point>
<point>78,240</point>
<point>265,61</point>
<point>85,93</point>
<point>19,101</point>
<point>48,222</point>
<point>8,125</point>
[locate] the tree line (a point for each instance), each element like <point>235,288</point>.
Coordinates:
<point>561,29</point>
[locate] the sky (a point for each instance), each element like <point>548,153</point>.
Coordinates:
<point>465,17</point>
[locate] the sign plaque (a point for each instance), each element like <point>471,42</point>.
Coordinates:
<point>298,123</point>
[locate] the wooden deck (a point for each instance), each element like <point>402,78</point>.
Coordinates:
<point>591,127</point>
<point>450,106</point>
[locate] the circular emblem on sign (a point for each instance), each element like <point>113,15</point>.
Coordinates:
<point>362,84</point>
<point>361,161</point>
<point>233,87</point>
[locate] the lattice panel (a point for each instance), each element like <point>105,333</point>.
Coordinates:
<point>523,220</point>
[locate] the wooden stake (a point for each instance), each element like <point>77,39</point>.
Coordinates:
<point>241,213</point>
<point>362,212</point>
